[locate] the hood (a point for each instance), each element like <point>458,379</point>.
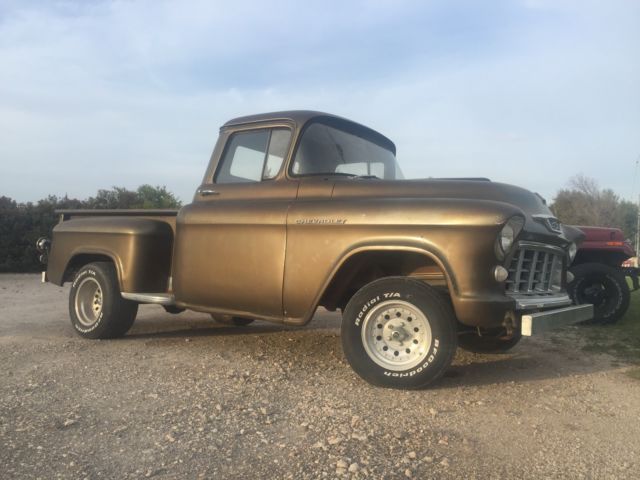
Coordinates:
<point>541,225</point>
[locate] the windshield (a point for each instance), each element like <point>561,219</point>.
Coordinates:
<point>325,150</point>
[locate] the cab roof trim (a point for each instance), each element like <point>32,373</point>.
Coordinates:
<point>295,116</point>
<point>301,117</point>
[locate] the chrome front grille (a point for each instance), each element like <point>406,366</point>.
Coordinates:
<point>535,271</point>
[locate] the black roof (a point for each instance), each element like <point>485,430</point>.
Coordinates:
<point>301,117</point>
<point>296,116</point>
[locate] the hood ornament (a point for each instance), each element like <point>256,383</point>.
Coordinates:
<point>549,221</point>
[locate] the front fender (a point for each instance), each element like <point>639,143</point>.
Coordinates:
<point>458,235</point>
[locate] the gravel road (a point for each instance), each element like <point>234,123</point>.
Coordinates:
<point>180,397</point>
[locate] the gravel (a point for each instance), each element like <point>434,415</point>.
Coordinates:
<point>181,397</point>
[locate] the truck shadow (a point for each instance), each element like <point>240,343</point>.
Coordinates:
<point>176,328</point>
<point>522,366</point>
<point>185,331</point>
<point>531,361</point>
<point>162,325</point>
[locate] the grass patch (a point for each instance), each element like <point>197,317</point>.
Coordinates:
<point>634,373</point>
<point>622,339</point>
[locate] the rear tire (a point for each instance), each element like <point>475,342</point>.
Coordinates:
<point>231,320</point>
<point>399,332</point>
<point>603,286</point>
<point>96,308</point>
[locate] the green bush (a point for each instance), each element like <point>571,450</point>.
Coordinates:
<point>21,224</point>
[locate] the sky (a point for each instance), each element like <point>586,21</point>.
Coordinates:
<point>95,94</point>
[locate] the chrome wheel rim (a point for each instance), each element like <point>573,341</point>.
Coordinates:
<point>88,302</point>
<point>396,335</point>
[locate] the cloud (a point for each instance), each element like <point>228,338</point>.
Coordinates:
<point>95,94</point>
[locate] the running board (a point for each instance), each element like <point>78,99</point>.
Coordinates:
<point>159,298</point>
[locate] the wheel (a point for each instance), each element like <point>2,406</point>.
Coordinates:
<point>493,341</point>
<point>603,286</point>
<point>399,332</point>
<point>96,308</point>
<point>231,320</point>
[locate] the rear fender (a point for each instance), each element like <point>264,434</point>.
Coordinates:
<point>140,249</point>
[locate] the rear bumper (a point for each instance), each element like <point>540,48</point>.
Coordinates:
<point>535,323</point>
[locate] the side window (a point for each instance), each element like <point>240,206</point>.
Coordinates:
<point>244,157</point>
<point>253,156</point>
<point>278,147</point>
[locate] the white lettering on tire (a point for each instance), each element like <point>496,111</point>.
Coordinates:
<point>79,277</point>
<point>83,274</point>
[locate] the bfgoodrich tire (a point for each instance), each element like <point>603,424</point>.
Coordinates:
<point>96,308</point>
<point>399,332</point>
<point>603,286</point>
<point>231,320</point>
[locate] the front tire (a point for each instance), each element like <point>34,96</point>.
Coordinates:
<point>398,332</point>
<point>96,308</point>
<point>603,286</point>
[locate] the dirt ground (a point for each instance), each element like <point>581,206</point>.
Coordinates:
<point>180,397</point>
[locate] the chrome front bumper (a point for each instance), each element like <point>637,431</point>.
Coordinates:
<point>529,302</point>
<point>535,323</point>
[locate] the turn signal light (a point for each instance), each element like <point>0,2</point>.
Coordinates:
<point>500,273</point>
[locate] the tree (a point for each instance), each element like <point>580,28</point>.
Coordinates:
<point>156,197</point>
<point>585,203</point>
<point>146,196</point>
<point>21,224</point>
<point>117,197</point>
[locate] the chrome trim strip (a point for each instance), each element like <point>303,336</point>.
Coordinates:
<point>552,271</point>
<point>532,270</point>
<point>539,322</point>
<point>540,301</point>
<point>541,246</point>
<point>519,271</point>
<point>158,298</point>
<point>543,275</point>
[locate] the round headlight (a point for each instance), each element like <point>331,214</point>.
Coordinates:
<point>507,236</point>
<point>571,251</point>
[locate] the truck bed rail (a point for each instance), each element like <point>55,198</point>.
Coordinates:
<point>66,214</point>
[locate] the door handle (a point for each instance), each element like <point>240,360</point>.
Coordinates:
<point>205,192</point>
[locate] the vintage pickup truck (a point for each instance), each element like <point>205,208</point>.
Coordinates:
<point>303,209</point>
